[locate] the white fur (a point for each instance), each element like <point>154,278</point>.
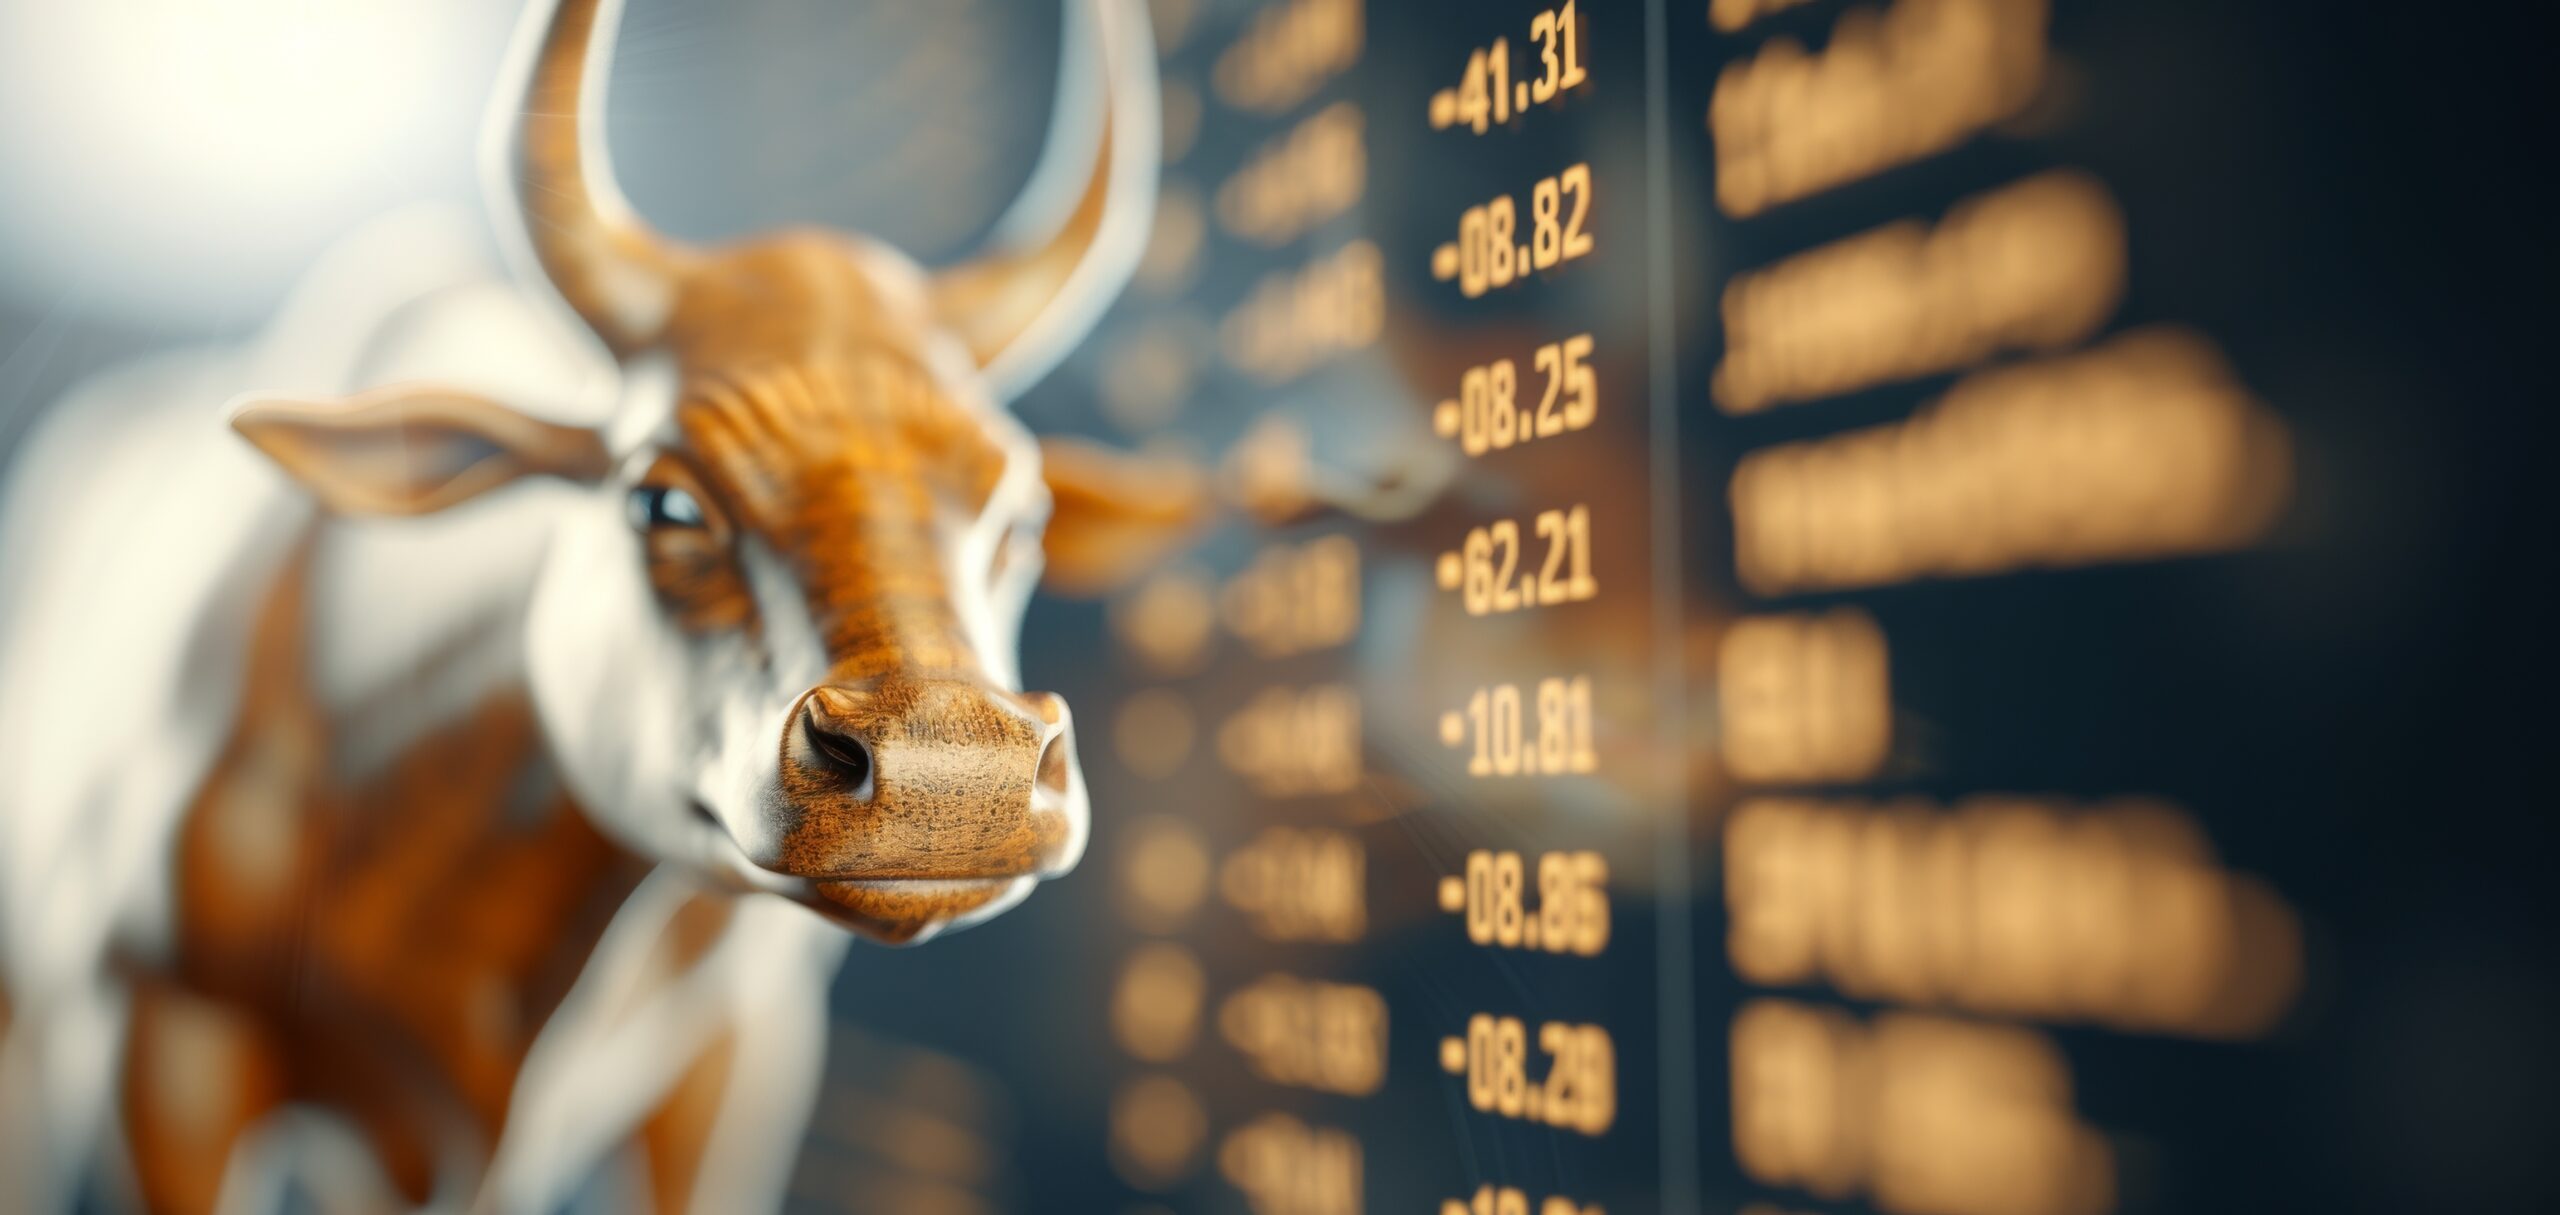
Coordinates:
<point>616,1044</point>
<point>140,532</point>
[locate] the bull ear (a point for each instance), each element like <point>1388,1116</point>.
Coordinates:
<point>1116,514</point>
<point>411,449</point>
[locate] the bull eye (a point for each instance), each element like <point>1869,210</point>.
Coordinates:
<point>655,506</point>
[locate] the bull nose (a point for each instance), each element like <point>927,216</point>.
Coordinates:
<point>949,726</point>
<point>929,780</point>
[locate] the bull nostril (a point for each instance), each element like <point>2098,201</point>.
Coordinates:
<point>851,759</point>
<point>1054,757</point>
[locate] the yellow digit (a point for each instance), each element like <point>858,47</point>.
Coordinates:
<point>1591,892</point>
<point>1543,28</point>
<point>1472,102</point>
<point>1471,252</point>
<point>1481,764</point>
<point>1506,729</point>
<point>1556,902</point>
<point>1599,1059</point>
<point>1551,528</point>
<point>1554,726</point>
<point>1502,383</point>
<point>1546,207</point>
<point>1577,182</point>
<point>1578,528</point>
<point>1584,384</point>
<point>1569,25</point>
<point>1511,1045</point>
<point>1507,913</point>
<point>1478,593</point>
<point>1585,758</point>
<point>1483,1086</point>
<point>1480,897</point>
<point>1474,421</point>
<point>1550,361</point>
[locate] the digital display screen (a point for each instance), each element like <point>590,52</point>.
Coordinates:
<point>1861,725</point>
<point>1898,605</point>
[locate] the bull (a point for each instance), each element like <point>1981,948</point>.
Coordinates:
<point>478,797</point>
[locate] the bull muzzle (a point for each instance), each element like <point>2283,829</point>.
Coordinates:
<point>909,804</point>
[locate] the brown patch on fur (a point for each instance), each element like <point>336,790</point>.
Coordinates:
<point>690,933</point>
<point>788,297</point>
<point>678,1132</point>
<point>398,942</point>
<point>860,474</point>
<point>198,1074</point>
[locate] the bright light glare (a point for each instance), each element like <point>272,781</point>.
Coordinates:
<point>181,161</point>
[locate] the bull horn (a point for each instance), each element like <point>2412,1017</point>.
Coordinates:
<point>545,147</point>
<point>1023,306</point>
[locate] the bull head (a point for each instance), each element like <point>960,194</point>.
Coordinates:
<point>774,636</point>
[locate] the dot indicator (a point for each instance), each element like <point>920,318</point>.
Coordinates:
<point>1453,894</point>
<point>1444,262</point>
<point>1530,1102</point>
<point>1529,935</point>
<point>1445,418</point>
<point>1453,728</point>
<point>1523,94</point>
<point>1524,255</point>
<point>1453,1055</point>
<point>1450,571</point>
<point>1444,109</point>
